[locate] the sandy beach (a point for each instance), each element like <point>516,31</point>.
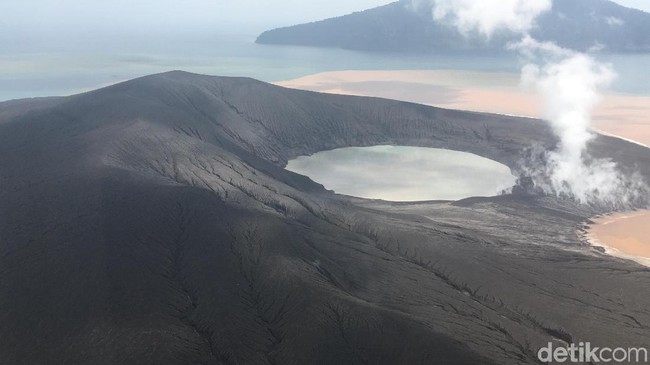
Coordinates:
<point>625,235</point>
<point>619,115</point>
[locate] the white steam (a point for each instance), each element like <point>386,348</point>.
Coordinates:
<point>570,89</point>
<point>570,85</point>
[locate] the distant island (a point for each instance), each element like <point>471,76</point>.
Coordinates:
<point>397,27</point>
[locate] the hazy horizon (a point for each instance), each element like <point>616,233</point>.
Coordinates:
<point>69,46</point>
<point>46,20</point>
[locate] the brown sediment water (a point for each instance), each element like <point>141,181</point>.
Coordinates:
<point>624,116</point>
<point>625,235</point>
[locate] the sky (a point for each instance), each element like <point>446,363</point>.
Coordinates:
<point>116,15</point>
<point>154,16</point>
<point>638,4</point>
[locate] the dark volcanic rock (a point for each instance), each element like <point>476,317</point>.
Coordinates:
<point>152,222</point>
<point>574,24</point>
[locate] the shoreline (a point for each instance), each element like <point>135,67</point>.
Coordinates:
<point>623,235</point>
<point>607,134</point>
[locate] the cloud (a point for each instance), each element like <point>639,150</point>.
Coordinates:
<point>614,21</point>
<point>545,51</point>
<point>489,16</point>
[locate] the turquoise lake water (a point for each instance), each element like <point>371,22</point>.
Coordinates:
<point>396,173</point>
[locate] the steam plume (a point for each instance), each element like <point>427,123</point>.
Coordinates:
<point>570,85</point>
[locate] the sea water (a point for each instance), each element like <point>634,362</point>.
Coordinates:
<point>64,68</point>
